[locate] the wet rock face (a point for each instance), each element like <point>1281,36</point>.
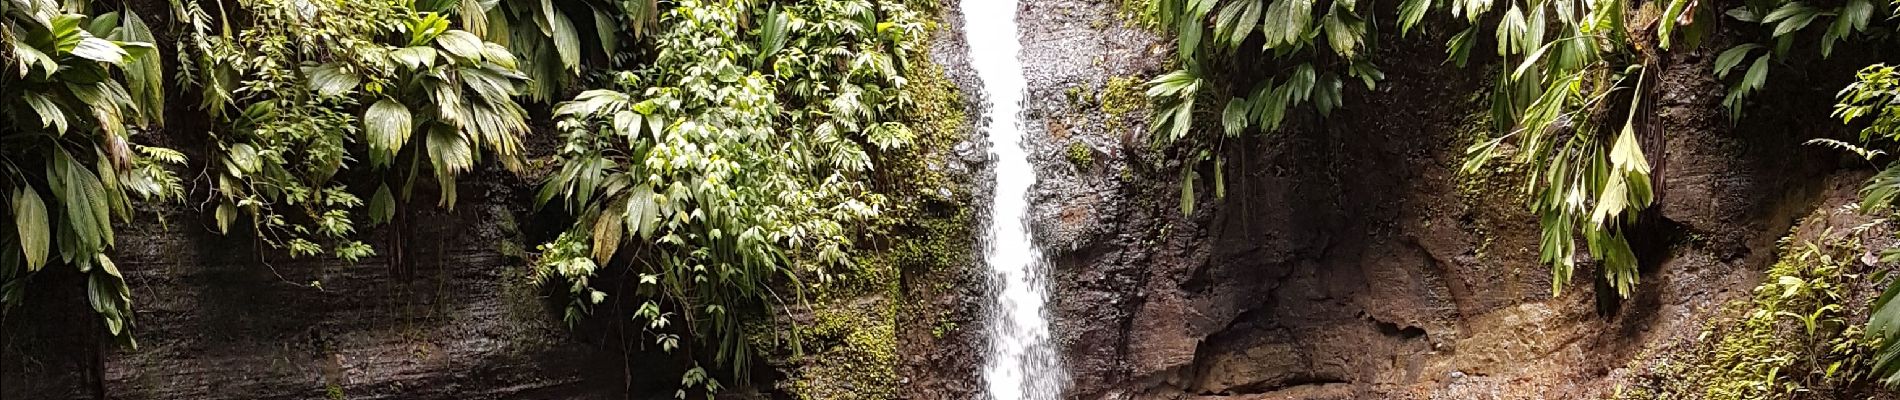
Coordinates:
<point>940,335</point>
<point>462,320</point>
<point>1349,258</point>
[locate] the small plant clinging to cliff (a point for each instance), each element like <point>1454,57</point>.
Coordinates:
<point>1876,96</point>
<point>1792,339</point>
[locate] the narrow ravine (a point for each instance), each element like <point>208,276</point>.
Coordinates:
<point>1022,363</point>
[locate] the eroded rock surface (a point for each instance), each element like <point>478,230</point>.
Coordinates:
<point>1349,259</point>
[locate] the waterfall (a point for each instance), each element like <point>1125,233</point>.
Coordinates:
<point>1022,363</point>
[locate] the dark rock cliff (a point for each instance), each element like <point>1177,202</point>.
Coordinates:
<point>1350,259</point>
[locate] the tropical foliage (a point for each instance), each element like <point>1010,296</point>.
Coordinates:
<point>1569,97</point>
<point>549,35</point>
<point>1590,178</point>
<point>77,89</point>
<point>304,80</point>
<point>1785,28</point>
<point>1872,101</point>
<point>1304,55</point>
<point>734,160</point>
<point>1794,337</point>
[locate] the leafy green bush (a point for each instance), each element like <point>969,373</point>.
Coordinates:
<point>78,88</point>
<point>300,81</point>
<point>1874,95</point>
<point>1793,339</point>
<point>1570,64</point>
<point>736,159</point>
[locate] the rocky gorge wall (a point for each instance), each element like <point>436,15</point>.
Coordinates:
<point>224,317</point>
<point>1350,260</point>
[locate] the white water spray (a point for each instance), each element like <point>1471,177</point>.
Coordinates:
<point>1022,364</point>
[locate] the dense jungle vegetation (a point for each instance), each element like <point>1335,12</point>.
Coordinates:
<point>724,151</point>
<point>735,156</point>
<point>1573,84</point>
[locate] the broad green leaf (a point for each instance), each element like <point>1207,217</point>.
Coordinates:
<point>1611,202</point>
<point>331,80</point>
<point>449,152</point>
<point>84,199</point>
<point>31,59</point>
<point>382,205</point>
<point>1343,32</point>
<point>1234,116</point>
<point>474,15</point>
<point>1271,106</point>
<point>1460,45</point>
<point>1787,10</point>
<point>1236,21</point>
<point>1666,25</point>
<point>33,227</point>
<point>643,212</point>
<point>1511,30</point>
<point>1757,74</point>
<point>1410,12</point>
<point>50,113</point>
<point>1188,39</point>
<point>388,125</point>
<point>100,50</point>
<point>144,75</point>
<point>1326,95</point>
<point>461,44</point>
<point>1287,22</point>
<point>1300,84</point>
<point>1731,58</point>
<point>414,57</point>
<point>567,41</point>
<point>773,35</point>
<point>244,159</point>
<point>1187,191</point>
<point>102,25</point>
<point>606,28</point>
<point>1859,12</point>
<point>609,227</point>
<point>1627,154</point>
<point>1796,22</point>
<point>226,214</point>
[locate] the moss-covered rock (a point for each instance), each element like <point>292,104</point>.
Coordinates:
<point>1798,336</point>
<point>849,347</point>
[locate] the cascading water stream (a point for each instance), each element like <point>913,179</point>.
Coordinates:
<point>1022,363</point>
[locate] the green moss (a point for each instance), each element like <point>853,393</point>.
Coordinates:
<point>857,354</point>
<point>1135,13</point>
<point>850,348</point>
<point>1078,95</point>
<point>333,392</point>
<point>943,329</point>
<point>924,202</point>
<point>1793,339</point>
<point>1081,155</point>
<point>1122,98</point>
